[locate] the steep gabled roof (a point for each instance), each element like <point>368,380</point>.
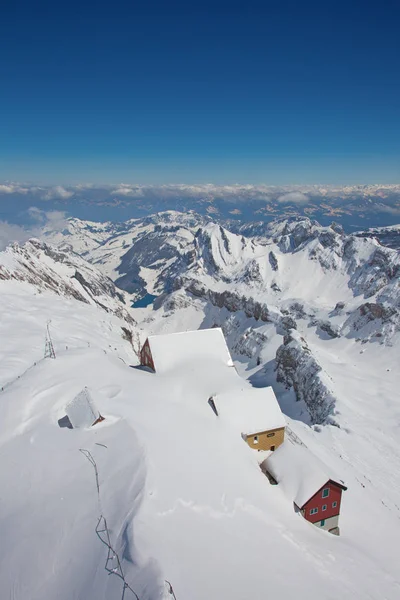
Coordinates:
<point>82,411</point>
<point>172,350</point>
<point>300,473</point>
<point>250,410</point>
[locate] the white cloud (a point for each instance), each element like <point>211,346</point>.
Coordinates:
<point>127,190</point>
<point>293,197</point>
<point>7,189</point>
<point>393,210</point>
<point>14,233</point>
<point>11,188</point>
<point>56,220</point>
<point>57,192</point>
<point>36,214</point>
<point>53,220</point>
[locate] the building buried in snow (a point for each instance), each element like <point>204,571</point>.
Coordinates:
<point>315,491</point>
<point>163,353</point>
<point>254,413</point>
<point>82,412</point>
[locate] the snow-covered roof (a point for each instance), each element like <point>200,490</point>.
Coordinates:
<point>169,351</point>
<point>81,411</point>
<point>300,473</point>
<point>250,410</point>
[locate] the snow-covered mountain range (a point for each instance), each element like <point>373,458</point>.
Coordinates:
<point>293,274</point>
<point>310,310</point>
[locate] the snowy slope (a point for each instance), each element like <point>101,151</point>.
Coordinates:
<point>62,272</point>
<point>183,494</point>
<point>186,502</point>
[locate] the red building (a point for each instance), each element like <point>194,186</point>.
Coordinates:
<point>323,508</point>
<point>315,491</point>
<point>146,358</point>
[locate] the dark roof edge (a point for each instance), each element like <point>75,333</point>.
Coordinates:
<point>341,485</point>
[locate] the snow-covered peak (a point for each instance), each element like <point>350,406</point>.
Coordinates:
<point>220,251</point>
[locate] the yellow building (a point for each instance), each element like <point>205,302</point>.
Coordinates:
<point>254,413</point>
<point>266,440</point>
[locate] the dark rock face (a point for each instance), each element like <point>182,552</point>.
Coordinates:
<point>203,246</point>
<point>224,239</point>
<point>103,286</point>
<point>376,311</point>
<point>297,309</point>
<point>295,233</point>
<point>252,272</point>
<point>273,261</point>
<point>339,306</point>
<point>371,277</point>
<point>249,343</point>
<point>373,321</point>
<point>229,300</point>
<point>296,367</point>
<point>327,327</point>
<point>337,228</point>
<point>287,323</point>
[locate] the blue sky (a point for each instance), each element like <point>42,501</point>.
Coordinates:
<point>153,92</point>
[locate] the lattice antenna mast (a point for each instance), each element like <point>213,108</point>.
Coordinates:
<point>49,351</point>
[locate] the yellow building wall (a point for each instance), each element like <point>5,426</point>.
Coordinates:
<point>266,439</point>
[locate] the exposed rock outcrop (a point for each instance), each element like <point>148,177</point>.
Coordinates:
<point>373,321</point>
<point>273,261</point>
<point>325,326</point>
<point>298,369</point>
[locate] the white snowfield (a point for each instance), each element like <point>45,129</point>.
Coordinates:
<point>182,493</point>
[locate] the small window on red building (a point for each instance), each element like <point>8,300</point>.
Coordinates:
<point>334,504</point>
<point>325,493</point>
<point>324,506</point>
<point>313,511</point>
